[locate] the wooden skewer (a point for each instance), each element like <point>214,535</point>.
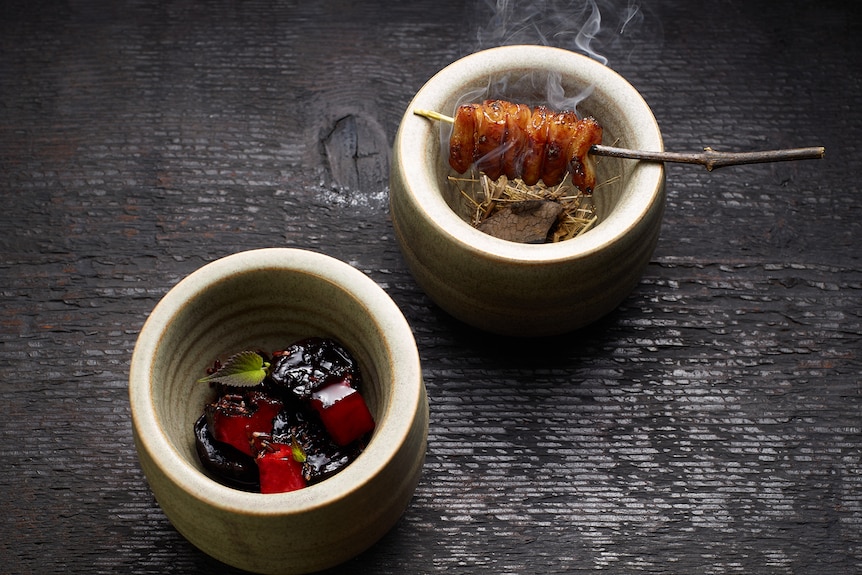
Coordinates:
<point>710,158</point>
<point>713,159</point>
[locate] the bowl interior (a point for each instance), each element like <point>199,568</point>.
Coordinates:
<point>265,300</point>
<point>536,75</point>
<point>522,86</point>
<point>262,309</point>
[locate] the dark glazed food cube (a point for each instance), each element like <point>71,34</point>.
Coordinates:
<point>311,363</point>
<point>221,461</point>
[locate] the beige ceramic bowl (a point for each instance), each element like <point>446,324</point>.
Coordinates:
<point>525,289</point>
<point>266,299</point>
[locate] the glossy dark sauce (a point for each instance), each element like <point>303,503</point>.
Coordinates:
<point>298,372</point>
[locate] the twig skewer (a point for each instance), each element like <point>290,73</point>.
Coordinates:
<point>713,159</point>
<point>709,158</point>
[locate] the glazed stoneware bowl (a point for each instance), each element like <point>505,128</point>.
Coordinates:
<point>527,289</point>
<point>267,299</point>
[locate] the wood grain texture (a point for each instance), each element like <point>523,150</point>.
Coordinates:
<point>711,424</point>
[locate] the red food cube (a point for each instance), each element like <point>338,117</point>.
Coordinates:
<point>279,469</point>
<point>343,412</point>
<point>235,418</point>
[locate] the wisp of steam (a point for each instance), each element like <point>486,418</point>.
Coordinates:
<point>586,26</point>
<point>590,27</point>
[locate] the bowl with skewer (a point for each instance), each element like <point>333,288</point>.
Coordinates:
<point>527,188</point>
<point>506,217</point>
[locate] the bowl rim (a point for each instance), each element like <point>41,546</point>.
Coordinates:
<point>390,434</point>
<point>423,182</point>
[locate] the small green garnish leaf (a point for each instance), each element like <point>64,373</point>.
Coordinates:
<point>297,451</point>
<point>244,369</point>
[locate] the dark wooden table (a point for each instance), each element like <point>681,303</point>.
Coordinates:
<point>712,424</point>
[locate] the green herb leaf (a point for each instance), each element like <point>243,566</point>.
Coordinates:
<point>297,451</point>
<point>244,369</point>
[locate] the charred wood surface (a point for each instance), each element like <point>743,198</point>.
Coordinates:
<point>711,424</point>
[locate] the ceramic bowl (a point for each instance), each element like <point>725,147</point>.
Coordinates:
<point>267,299</point>
<point>527,289</point>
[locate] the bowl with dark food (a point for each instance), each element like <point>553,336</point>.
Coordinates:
<point>504,215</point>
<point>278,410</point>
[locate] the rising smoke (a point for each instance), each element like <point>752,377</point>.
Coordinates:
<point>595,28</point>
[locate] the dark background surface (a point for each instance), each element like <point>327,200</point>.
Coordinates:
<point>711,424</point>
